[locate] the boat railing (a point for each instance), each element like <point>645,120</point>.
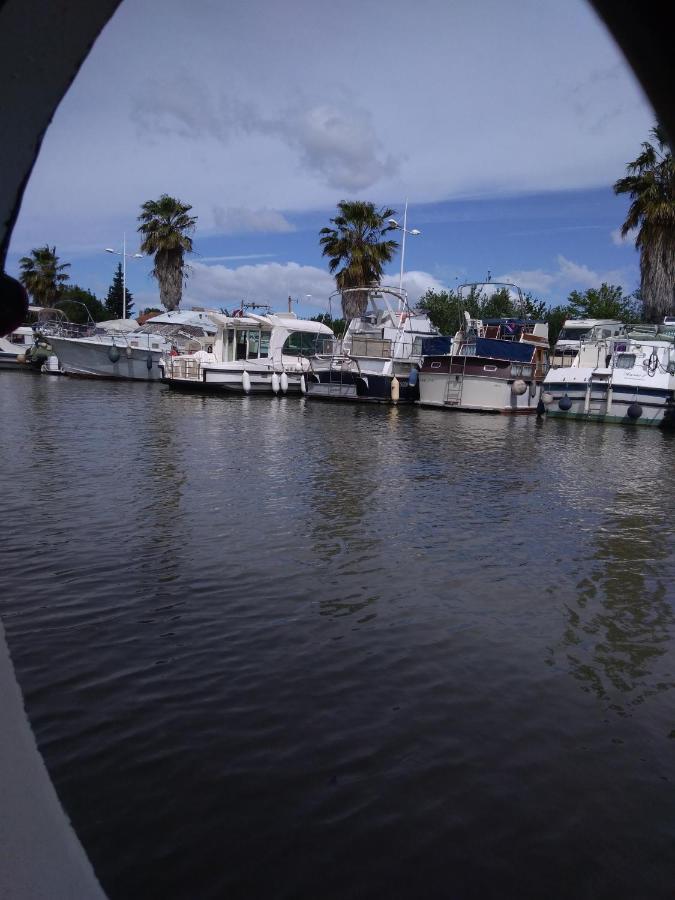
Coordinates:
<point>374,347</point>
<point>183,368</point>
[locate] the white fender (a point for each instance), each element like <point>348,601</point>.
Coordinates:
<point>518,387</point>
<point>303,385</point>
<point>275,382</point>
<point>246,382</point>
<point>395,389</point>
<point>283,382</point>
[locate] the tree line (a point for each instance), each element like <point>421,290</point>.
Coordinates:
<point>446,308</point>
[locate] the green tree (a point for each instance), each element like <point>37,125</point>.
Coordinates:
<point>338,326</point>
<point>167,228</point>
<point>556,316</point>
<point>650,183</point>
<point>113,302</point>
<point>43,275</point>
<point>606,302</point>
<point>443,308</point>
<point>357,250</point>
<point>80,305</point>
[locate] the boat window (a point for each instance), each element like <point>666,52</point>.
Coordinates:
<point>527,371</point>
<point>516,370</point>
<point>253,345</point>
<point>489,368</point>
<point>467,350</point>
<point>242,337</point>
<point>625,361</point>
<point>264,344</point>
<point>435,365</point>
<point>573,334</point>
<point>300,343</point>
<point>417,347</point>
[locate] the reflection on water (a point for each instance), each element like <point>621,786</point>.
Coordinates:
<point>621,626</point>
<point>294,649</point>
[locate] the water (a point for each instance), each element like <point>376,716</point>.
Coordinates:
<point>278,648</point>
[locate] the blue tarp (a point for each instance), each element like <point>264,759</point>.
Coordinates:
<point>494,349</point>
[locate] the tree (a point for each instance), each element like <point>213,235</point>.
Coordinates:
<point>443,308</point>
<point>42,275</point>
<point>650,183</point>
<point>80,305</point>
<point>605,302</point>
<point>357,250</point>
<point>337,326</point>
<point>113,302</point>
<point>167,228</point>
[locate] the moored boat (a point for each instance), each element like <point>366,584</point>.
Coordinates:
<point>377,359</point>
<point>627,379</point>
<point>491,365</point>
<point>123,350</point>
<point>251,353</point>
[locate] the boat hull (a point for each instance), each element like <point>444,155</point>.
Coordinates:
<point>224,380</point>
<point>366,387</point>
<point>476,393</point>
<point>88,359</point>
<point>657,406</point>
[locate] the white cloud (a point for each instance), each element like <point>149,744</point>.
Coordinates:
<point>568,276</point>
<point>239,220</point>
<point>274,282</point>
<point>620,241</point>
<point>269,283</point>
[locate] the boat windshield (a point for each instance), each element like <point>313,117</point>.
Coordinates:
<point>573,333</point>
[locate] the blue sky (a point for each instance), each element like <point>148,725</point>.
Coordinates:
<point>504,124</point>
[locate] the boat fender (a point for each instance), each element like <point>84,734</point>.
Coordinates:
<point>533,389</point>
<point>113,354</point>
<point>148,361</point>
<point>246,382</point>
<point>547,397</point>
<point>541,407</point>
<point>128,352</point>
<point>565,403</point>
<point>303,385</point>
<point>283,382</point>
<point>412,378</point>
<point>21,357</point>
<point>518,387</point>
<point>634,411</point>
<point>395,389</point>
<point>275,382</point>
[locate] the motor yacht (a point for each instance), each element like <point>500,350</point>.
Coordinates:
<point>251,354</point>
<point>627,378</point>
<point>377,359</point>
<point>122,349</point>
<point>491,365</point>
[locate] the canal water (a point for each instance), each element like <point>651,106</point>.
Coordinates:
<point>286,649</point>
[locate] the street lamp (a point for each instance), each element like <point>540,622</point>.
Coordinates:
<point>124,256</point>
<point>414,231</point>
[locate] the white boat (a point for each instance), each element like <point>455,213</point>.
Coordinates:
<point>491,365</point>
<point>628,379</point>
<point>14,347</point>
<point>377,359</point>
<point>122,349</point>
<point>251,354</point>
<point>574,331</point>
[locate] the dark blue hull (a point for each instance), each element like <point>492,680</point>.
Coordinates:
<point>365,388</point>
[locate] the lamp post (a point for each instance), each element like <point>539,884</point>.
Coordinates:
<point>414,231</point>
<point>124,256</point>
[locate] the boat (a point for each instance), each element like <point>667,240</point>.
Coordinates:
<point>15,350</point>
<point>628,378</point>
<point>377,359</point>
<point>493,365</point>
<point>574,331</point>
<point>256,354</point>
<point>122,349</point>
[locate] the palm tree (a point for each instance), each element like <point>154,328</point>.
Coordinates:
<point>651,185</point>
<point>357,251</point>
<point>166,228</point>
<point>42,275</point>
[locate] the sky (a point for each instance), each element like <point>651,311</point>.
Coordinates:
<point>504,125</point>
